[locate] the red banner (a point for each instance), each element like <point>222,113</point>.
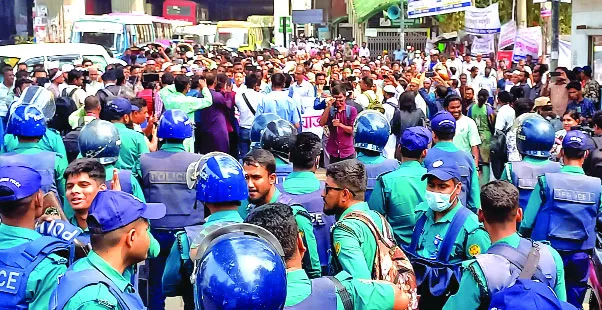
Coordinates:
<point>505,55</point>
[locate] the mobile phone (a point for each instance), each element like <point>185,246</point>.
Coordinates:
<point>250,68</point>
<point>554,73</point>
<point>150,77</point>
<point>429,74</point>
<point>385,77</point>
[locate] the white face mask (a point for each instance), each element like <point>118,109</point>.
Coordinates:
<point>439,202</point>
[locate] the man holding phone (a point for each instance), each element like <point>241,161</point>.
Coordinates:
<point>340,118</point>
<point>557,91</point>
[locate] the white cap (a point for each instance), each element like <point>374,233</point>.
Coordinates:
<point>366,68</point>
<point>434,52</point>
<point>67,67</point>
<point>165,66</point>
<point>385,68</point>
<point>259,58</point>
<point>189,54</point>
<point>176,68</point>
<point>389,89</point>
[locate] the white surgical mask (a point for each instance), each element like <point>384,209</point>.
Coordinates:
<point>439,202</point>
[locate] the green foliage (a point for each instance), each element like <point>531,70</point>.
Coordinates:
<point>455,21</point>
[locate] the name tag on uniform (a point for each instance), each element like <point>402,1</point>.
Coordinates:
<point>10,280</point>
<point>527,183</point>
<point>574,196</point>
<point>59,229</point>
<point>317,219</point>
<point>167,177</point>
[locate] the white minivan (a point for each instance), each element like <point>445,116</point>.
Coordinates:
<point>53,54</point>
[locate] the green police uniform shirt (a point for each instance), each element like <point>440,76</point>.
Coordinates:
<point>370,160</point>
<point>60,164</point>
<point>396,195</point>
<point>132,146</point>
<point>507,173</point>
<point>44,277</point>
<point>51,141</point>
<point>98,296</point>
<point>473,286</point>
<point>471,240</point>
<point>365,294</point>
<point>301,182</point>
<point>536,201</point>
<point>354,244</point>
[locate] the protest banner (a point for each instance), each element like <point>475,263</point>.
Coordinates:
<point>310,118</point>
<point>527,43</point>
<point>507,35</point>
<point>422,8</point>
<point>482,21</point>
<point>483,45</point>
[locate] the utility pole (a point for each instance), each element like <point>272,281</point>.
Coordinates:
<point>521,13</point>
<point>555,32</point>
<point>402,18</point>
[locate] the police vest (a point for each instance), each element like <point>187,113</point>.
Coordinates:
<point>282,172</point>
<point>374,170</point>
<point>501,273</point>
<point>17,263</point>
<point>524,177</point>
<point>42,162</point>
<point>314,204</point>
<point>125,181</point>
<point>568,215</point>
<point>465,165</point>
<point>164,180</point>
<point>73,281</point>
<point>323,296</point>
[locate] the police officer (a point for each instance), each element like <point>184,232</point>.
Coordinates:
<point>306,190</point>
<point>226,258</point>
<point>26,280</point>
<point>28,125</point>
<point>443,125</point>
<point>101,140</point>
<point>303,293</point>
<point>221,187</point>
<point>42,99</point>
<point>259,124</point>
<point>534,141</point>
<point>133,144</point>
<point>164,180</point>
<point>446,233</point>
<point>120,237</point>
<point>371,132</point>
<point>397,193</point>
<point>277,137</point>
<point>496,270</point>
<point>572,233</point>
<point>260,171</point>
<point>354,245</point>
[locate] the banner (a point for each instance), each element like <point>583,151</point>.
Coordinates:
<point>422,8</point>
<point>527,43</point>
<point>310,119</point>
<point>507,35</point>
<point>506,56</point>
<point>483,45</point>
<point>482,21</point>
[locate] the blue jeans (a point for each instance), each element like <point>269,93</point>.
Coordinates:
<point>576,273</point>
<point>244,141</point>
<point>166,238</point>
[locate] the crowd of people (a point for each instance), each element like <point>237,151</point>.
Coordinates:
<point>451,181</point>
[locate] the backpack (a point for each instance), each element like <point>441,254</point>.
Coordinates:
<point>71,142</point>
<point>347,111</point>
<point>65,105</point>
<point>527,293</point>
<point>498,151</point>
<point>104,101</point>
<point>595,162</point>
<point>390,262</point>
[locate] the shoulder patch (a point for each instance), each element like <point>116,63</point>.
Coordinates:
<point>337,248</point>
<point>106,304</point>
<point>474,250</point>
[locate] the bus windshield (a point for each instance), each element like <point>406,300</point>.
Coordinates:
<point>104,39</point>
<point>233,37</point>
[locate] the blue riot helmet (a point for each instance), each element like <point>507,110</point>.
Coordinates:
<point>39,97</point>
<point>100,139</point>
<point>259,124</point>
<point>221,178</point>
<point>277,137</point>
<point>371,131</point>
<point>535,137</point>
<point>26,121</point>
<point>174,124</point>
<point>239,266</point>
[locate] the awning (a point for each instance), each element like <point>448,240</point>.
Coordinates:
<point>364,9</point>
<point>340,19</point>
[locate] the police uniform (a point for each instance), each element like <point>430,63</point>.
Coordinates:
<point>133,144</point>
<point>471,191</point>
<point>572,234</point>
<point>26,280</point>
<point>534,141</point>
<point>164,179</point>
<point>481,279</point>
<point>397,193</point>
<point>371,132</point>
<point>441,245</point>
<point>306,190</point>
<point>283,170</point>
<point>51,141</point>
<point>92,281</point>
<point>303,293</point>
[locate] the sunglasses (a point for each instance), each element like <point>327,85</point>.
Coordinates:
<point>329,188</point>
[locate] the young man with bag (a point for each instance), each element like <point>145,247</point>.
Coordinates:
<point>246,101</point>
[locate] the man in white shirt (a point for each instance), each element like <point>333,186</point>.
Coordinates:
<point>239,80</point>
<point>467,64</point>
<point>505,114</point>
<point>301,87</point>
<point>364,51</point>
<point>6,93</point>
<point>454,62</point>
<point>489,83</point>
<point>480,63</point>
<point>75,79</point>
<point>247,99</point>
<point>95,85</point>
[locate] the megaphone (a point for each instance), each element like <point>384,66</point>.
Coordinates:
<point>393,12</point>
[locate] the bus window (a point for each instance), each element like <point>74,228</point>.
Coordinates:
<point>130,33</point>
